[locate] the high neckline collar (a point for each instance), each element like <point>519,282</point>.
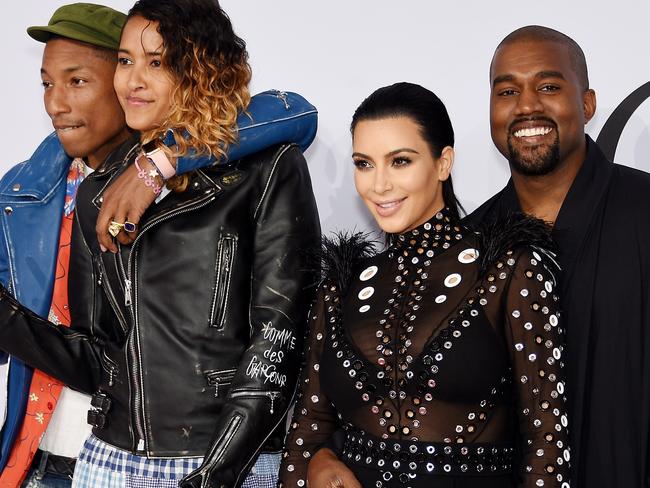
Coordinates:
<point>429,239</point>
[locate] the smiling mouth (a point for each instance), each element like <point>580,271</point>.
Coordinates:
<point>386,209</point>
<point>137,101</point>
<point>532,132</point>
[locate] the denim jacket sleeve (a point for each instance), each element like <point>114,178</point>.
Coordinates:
<point>272,117</point>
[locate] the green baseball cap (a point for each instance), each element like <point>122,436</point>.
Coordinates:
<point>86,22</point>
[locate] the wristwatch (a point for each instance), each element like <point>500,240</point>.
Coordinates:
<point>159,159</point>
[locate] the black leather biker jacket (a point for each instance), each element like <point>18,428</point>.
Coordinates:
<point>193,333</point>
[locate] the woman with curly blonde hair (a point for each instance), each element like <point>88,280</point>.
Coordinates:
<point>214,284</point>
<point>207,65</point>
<point>189,338</point>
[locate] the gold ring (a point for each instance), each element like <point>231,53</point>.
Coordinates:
<point>114,228</point>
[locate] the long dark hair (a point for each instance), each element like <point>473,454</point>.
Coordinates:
<point>426,110</point>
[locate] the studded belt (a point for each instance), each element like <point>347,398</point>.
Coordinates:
<point>406,459</point>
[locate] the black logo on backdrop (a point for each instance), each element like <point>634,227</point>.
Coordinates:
<point>611,132</point>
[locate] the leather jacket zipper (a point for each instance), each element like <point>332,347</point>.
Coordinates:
<point>214,455</point>
<point>219,378</point>
<point>109,366</point>
<point>127,292</point>
<point>131,297</point>
<point>134,363</point>
<point>217,449</point>
<point>251,461</point>
<point>227,248</point>
<point>271,395</point>
<point>134,360</point>
<point>127,282</point>
<point>138,383</point>
<point>111,296</point>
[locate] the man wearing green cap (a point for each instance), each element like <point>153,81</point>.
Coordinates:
<point>46,423</point>
<point>96,25</point>
<point>77,69</point>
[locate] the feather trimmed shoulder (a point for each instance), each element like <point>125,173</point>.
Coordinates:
<point>341,254</point>
<point>497,237</point>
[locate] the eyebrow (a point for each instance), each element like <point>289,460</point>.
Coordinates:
<point>502,78</point>
<point>401,150</point>
<point>550,74</point>
<point>70,69</point>
<point>541,75</point>
<point>392,153</point>
<point>149,53</point>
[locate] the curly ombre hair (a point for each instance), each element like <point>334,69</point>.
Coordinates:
<point>209,65</point>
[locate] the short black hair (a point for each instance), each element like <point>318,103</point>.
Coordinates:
<point>540,33</point>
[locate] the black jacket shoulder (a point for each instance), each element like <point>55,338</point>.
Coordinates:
<point>516,230</point>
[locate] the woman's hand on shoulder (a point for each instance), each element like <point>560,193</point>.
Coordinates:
<point>325,470</point>
<point>125,200</point>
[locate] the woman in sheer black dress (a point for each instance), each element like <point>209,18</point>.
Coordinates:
<point>437,362</point>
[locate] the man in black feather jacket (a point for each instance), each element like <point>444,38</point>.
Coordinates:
<point>540,102</point>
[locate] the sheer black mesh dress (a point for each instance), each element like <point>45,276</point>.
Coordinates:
<point>438,363</point>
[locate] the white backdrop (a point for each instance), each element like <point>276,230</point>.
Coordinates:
<point>337,52</point>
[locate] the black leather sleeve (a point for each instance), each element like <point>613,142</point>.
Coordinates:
<point>66,353</point>
<point>282,287</point>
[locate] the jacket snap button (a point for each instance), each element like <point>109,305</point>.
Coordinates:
<point>8,210</point>
<point>16,187</point>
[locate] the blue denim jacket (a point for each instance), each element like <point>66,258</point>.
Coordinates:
<point>31,207</point>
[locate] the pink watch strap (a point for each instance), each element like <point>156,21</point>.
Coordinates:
<point>159,159</point>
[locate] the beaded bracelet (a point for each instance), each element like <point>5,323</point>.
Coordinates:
<point>148,177</point>
<point>153,165</point>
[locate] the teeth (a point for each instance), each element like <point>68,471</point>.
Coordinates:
<point>388,204</point>
<point>533,131</point>
<point>66,129</point>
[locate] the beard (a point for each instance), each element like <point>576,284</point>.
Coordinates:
<point>537,161</point>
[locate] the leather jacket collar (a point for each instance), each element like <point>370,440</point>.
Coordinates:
<point>203,184</point>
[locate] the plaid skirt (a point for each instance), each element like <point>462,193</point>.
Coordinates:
<point>101,465</point>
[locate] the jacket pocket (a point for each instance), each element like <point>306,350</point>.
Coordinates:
<point>271,395</point>
<point>226,250</point>
<point>219,378</point>
<point>109,366</point>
